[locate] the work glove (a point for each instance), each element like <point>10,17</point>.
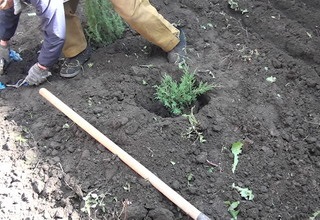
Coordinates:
<point>4,58</point>
<point>6,4</point>
<point>37,75</point>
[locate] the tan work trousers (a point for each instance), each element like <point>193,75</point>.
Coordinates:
<point>139,14</point>
<point>75,41</point>
<point>145,19</point>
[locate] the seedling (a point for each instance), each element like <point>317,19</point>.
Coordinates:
<point>315,215</point>
<point>93,201</point>
<point>21,139</point>
<point>144,82</point>
<point>244,192</point>
<point>190,178</point>
<point>236,149</point>
<point>66,126</point>
<point>176,96</point>
<point>232,209</point>
<point>194,129</point>
<point>235,6</point>
<point>210,169</point>
<point>271,79</point>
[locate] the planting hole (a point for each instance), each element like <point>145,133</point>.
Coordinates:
<point>147,101</point>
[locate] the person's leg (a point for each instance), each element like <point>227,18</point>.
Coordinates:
<point>8,25</point>
<point>76,49</point>
<point>146,20</point>
<point>75,41</point>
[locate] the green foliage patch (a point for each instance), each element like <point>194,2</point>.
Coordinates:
<point>236,149</point>
<point>104,25</point>
<point>232,209</point>
<point>178,95</point>
<point>244,192</point>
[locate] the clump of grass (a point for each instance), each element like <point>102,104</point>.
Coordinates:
<point>176,96</point>
<point>104,25</point>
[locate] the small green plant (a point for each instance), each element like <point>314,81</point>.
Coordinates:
<point>235,6</point>
<point>244,192</point>
<point>21,139</point>
<point>190,178</point>
<point>236,149</point>
<point>93,201</point>
<point>194,129</point>
<point>176,96</point>
<point>314,215</point>
<point>232,209</point>
<point>104,25</point>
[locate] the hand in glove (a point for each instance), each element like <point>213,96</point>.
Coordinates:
<point>37,75</point>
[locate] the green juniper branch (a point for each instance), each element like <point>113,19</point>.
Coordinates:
<point>104,25</point>
<point>176,96</point>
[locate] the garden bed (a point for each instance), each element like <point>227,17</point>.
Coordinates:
<point>264,63</point>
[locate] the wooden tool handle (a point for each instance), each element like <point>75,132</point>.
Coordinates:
<point>125,157</point>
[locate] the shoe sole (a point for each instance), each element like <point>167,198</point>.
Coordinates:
<point>70,75</point>
<point>75,73</point>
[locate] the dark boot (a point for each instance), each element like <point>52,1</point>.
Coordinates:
<point>72,66</point>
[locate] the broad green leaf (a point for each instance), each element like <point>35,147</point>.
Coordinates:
<point>315,215</point>
<point>232,209</point>
<point>271,79</point>
<point>236,149</point>
<point>244,192</point>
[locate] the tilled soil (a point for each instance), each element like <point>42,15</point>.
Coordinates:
<point>264,62</point>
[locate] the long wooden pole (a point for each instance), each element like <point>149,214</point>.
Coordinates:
<point>125,157</point>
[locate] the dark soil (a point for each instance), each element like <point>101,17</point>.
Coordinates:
<point>48,168</point>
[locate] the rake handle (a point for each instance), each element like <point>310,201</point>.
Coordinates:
<point>125,157</point>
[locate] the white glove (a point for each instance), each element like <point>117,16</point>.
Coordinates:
<point>37,75</point>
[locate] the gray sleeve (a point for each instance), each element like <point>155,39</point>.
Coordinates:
<point>51,13</point>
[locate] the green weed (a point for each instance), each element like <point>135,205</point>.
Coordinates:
<point>178,95</point>
<point>234,4</point>
<point>104,25</point>
<point>232,209</point>
<point>244,192</point>
<point>21,140</point>
<point>315,215</point>
<point>93,201</point>
<point>236,149</point>
<point>190,178</point>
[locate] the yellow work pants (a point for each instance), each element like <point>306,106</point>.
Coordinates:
<point>139,14</point>
<point>75,41</point>
<point>145,19</point>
